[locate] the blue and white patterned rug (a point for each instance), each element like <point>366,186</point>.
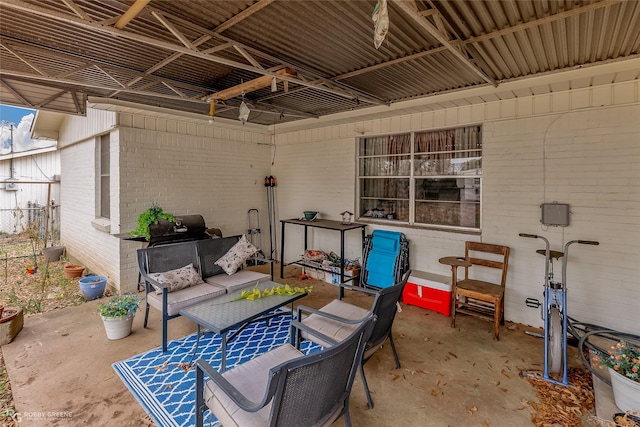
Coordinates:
<point>166,391</point>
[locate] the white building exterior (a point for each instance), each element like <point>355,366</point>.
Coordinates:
<point>577,144</point>
<point>35,179</point>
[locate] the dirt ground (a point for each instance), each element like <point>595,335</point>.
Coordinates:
<point>30,282</point>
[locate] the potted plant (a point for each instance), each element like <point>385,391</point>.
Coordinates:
<point>117,314</point>
<point>623,363</point>
<point>148,217</point>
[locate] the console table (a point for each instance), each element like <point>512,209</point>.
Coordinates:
<point>326,224</point>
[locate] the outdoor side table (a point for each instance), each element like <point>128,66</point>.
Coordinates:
<point>326,224</point>
<point>454,262</point>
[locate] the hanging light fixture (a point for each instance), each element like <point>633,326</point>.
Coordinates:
<point>243,111</point>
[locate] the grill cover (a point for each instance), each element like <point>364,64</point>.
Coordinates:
<point>186,228</point>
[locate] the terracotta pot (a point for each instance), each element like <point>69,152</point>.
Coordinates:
<point>72,271</point>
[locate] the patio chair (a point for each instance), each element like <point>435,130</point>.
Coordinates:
<point>283,387</point>
<point>385,259</point>
<point>330,321</point>
<point>165,258</point>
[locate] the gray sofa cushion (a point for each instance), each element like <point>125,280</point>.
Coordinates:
<point>185,297</point>
<point>251,379</point>
<point>242,279</point>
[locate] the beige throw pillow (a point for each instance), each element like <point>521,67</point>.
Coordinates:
<point>180,278</point>
<point>237,255</point>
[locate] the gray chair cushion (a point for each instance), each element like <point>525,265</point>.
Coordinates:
<point>242,279</point>
<point>176,301</point>
<point>251,379</point>
<point>332,328</point>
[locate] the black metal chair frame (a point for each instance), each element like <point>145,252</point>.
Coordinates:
<point>384,307</point>
<point>176,262</point>
<point>280,378</point>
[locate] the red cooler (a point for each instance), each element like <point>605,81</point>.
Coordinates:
<point>429,290</point>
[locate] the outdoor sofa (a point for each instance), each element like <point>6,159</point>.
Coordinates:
<point>180,275</point>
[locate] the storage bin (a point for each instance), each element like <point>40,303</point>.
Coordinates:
<point>428,290</point>
<point>333,276</point>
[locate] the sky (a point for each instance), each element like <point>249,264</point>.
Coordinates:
<point>21,119</point>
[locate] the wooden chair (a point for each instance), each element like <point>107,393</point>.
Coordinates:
<point>480,298</point>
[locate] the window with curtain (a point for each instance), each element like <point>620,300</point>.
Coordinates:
<point>423,178</point>
<point>104,182</point>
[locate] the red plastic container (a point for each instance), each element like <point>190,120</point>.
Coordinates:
<point>428,290</point>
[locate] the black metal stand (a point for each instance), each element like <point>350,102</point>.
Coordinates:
<point>324,224</point>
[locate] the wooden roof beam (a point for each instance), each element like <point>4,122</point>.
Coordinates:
<point>131,13</point>
<point>249,86</point>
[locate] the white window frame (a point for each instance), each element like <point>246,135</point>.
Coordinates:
<point>413,179</point>
<point>103,171</point>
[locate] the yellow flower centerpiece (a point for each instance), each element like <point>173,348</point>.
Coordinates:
<point>255,293</point>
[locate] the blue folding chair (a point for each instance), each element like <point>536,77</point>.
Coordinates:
<point>385,259</point>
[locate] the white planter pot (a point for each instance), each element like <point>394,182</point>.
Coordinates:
<point>118,327</point>
<point>626,392</point>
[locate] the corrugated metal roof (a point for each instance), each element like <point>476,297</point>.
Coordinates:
<point>174,54</point>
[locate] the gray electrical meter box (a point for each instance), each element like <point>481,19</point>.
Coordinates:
<point>555,214</point>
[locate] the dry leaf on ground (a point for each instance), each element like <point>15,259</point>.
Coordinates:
<point>560,405</point>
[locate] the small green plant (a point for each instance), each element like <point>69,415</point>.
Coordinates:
<point>33,306</point>
<point>148,217</point>
<point>119,305</point>
<point>13,298</point>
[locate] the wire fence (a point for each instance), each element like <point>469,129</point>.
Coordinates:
<point>26,230</point>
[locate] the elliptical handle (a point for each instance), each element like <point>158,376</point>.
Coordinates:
<point>532,236</point>
<point>588,242</point>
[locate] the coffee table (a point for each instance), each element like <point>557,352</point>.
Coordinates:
<point>222,314</point>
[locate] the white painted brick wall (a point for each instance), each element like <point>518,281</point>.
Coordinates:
<point>79,128</point>
<point>96,250</point>
<point>99,252</point>
<point>186,173</point>
<point>189,172</point>
<point>592,162</point>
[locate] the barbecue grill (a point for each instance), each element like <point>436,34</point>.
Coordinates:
<point>186,228</point>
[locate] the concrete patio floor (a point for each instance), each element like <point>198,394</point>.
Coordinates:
<point>61,374</point>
